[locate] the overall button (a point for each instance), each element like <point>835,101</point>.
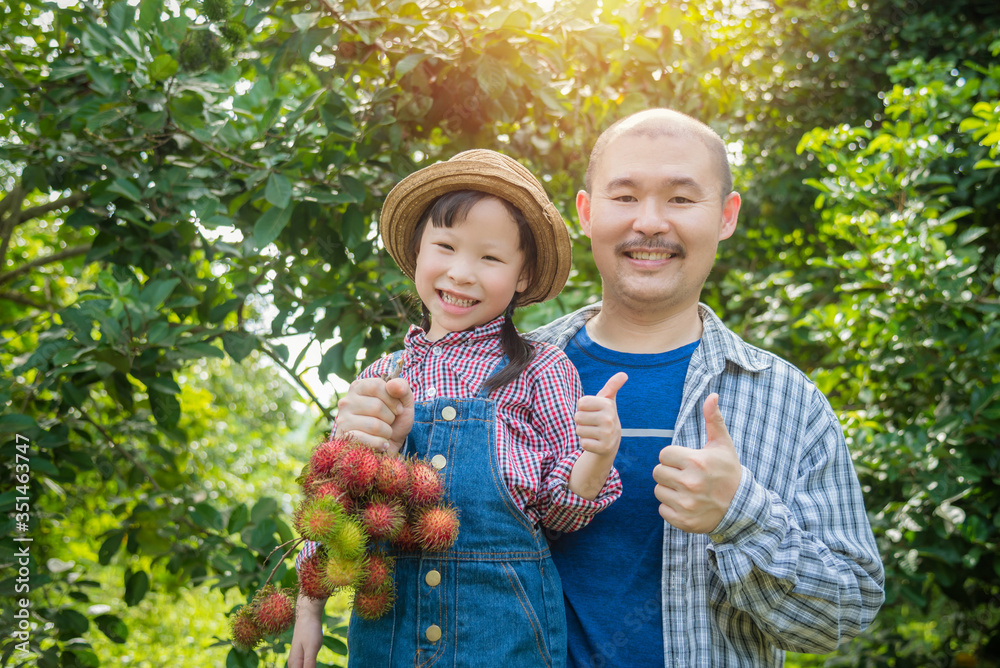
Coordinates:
<point>433,578</point>
<point>449,413</point>
<point>433,633</point>
<point>438,461</point>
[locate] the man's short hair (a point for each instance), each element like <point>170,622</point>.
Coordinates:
<point>664,122</point>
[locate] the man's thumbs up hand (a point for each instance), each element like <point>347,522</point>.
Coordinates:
<point>596,418</point>
<point>695,487</point>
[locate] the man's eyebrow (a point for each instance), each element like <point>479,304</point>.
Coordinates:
<point>669,182</point>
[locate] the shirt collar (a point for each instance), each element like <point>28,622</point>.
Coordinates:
<point>417,337</point>
<point>719,344</point>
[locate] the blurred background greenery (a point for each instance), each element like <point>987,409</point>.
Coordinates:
<point>189,269</point>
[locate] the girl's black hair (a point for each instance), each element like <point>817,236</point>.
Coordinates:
<point>455,206</point>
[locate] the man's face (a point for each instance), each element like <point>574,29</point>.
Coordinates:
<point>655,218</point>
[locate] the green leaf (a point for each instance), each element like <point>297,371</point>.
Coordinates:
<point>356,188</point>
<point>263,509</point>
<point>238,518</point>
<point>154,293</point>
<point>491,77</point>
<point>149,13</point>
<point>238,344</point>
<point>335,644</point>
<point>278,190</point>
<point>16,423</point>
<point>270,224</point>
<point>238,659</point>
<point>71,623</point>
<point>136,587</point>
<point>165,408</point>
<point>352,226</point>
<point>163,67</point>
<point>113,627</point>
<point>110,546</point>
<point>205,515</point>
<point>408,63</point>
<point>99,120</point>
<point>126,188</point>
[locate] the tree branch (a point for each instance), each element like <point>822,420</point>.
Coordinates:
<point>14,297</point>
<point>11,202</point>
<point>42,261</point>
<point>270,353</point>
<point>42,209</point>
<point>219,151</point>
<point>124,452</point>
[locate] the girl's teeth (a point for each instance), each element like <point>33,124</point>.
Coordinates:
<point>457,302</point>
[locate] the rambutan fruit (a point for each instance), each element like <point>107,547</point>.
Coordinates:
<point>382,519</point>
<point>307,480</point>
<point>356,469</point>
<point>319,518</point>
<point>333,490</point>
<point>437,528</point>
<point>273,609</point>
<point>425,486</point>
<point>373,604</point>
<point>217,10</point>
<point>311,572</point>
<point>392,478</point>
<point>406,539</point>
<point>325,456</point>
<point>245,632</point>
<point>378,572</point>
<point>343,572</point>
<point>349,540</point>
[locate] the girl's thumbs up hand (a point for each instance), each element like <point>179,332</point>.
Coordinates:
<point>596,418</point>
<point>695,487</point>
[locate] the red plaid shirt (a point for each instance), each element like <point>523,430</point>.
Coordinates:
<point>536,434</point>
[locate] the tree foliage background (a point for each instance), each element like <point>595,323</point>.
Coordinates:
<point>187,184</point>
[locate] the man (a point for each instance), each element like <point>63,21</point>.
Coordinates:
<point>764,544</point>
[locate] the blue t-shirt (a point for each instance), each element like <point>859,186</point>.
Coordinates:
<point>611,569</point>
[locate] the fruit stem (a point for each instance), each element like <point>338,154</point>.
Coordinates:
<point>296,542</point>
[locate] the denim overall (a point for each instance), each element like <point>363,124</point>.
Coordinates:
<point>495,598</point>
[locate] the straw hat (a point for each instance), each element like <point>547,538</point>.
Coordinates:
<point>493,173</point>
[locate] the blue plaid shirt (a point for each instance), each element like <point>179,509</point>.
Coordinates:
<point>793,565</point>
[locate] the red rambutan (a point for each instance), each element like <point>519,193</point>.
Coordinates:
<point>312,583</point>
<point>392,477</point>
<point>382,519</point>
<point>331,489</point>
<point>356,469</point>
<point>326,455</point>
<point>373,604</point>
<point>437,528</point>
<point>273,610</point>
<point>406,539</point>
<point>425,486</point>
<point>245,631</point>
<point>307,480</point>
<point>378,572</point>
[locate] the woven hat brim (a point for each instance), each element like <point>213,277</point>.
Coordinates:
<point>408,200</point>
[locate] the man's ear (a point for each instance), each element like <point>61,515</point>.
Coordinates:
<point>730,213</point>
<point>583,211</point>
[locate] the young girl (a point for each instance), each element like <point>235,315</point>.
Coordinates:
<point>495,414</point>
